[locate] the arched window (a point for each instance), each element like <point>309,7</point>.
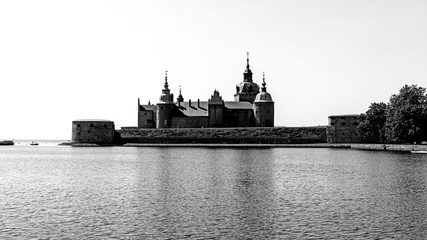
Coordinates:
<point>250,88</point>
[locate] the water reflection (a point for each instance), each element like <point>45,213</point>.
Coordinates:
<point>211,193</point>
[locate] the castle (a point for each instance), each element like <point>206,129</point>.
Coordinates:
<point>250,108</point>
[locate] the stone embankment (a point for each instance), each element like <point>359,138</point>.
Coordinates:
<point>269,135</point>
<point>390,147</point>
<point>370,147</point>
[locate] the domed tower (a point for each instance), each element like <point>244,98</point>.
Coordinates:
<point>263,107</point>
<point>247,90</point>
<point>165,107</point>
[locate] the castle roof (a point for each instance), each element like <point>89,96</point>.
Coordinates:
<point>151,107</point>
<point>200,109</point>
<point>238,105</point>
<point>197,109</point>
<point>263,97</point>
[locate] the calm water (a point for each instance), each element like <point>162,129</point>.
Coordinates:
<point>199,193</point>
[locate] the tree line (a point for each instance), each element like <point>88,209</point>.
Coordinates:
<point>402,120</point>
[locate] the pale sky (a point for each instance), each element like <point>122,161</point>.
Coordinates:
<point>67,60</point>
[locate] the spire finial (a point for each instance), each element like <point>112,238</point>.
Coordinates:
<point>247,60</point>
<point>263,78</point>
<point>263,89</point>
<point>166,80</point>
<point>179,89</point>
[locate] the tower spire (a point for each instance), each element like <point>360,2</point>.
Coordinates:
<point>180,97</point>
<point>263,88</point>
<point>247,60</point>
<point>166,80</point>
<point>247,75</point>
<point>166,96</point>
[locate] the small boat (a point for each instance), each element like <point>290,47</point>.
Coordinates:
<point>32,143</point>
<point>6,142</point>
<point>419,151</point>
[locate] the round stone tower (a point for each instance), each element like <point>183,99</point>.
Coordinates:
<point>263,108</point>
<point>165,107</point>
<point>93,131</point>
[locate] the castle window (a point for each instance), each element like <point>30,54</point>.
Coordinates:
<point>343,123</point>
<point>91,125</point>
<point>88,131</point>
<point>332,123</point>
<point>145,114</point>
<point>78,124</point>
<point>105,125</point>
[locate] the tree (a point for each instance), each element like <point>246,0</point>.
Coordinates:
<point>407,116</point>
<point>372,123</point>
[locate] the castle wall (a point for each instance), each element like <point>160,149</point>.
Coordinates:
<point>146,119</point>
<point>92,131</point>
<point>216,115</point>
<point>239,118</point>
<point>189,122</point>
<point>342,129</point>
<point>164,115</point>
<point>264,114</point>
<point>272,135</point>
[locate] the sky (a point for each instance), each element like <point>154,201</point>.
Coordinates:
<point>67,60</point>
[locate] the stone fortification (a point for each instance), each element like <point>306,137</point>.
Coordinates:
<point>93,131</point>
<point>268,135</point>
<point>342,129</point>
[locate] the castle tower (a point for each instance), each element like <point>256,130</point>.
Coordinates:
<point>165,107</point>
<point>216,110</point>
<point>180,98</point>
<point>247,90</point>
<point>264,108</point>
